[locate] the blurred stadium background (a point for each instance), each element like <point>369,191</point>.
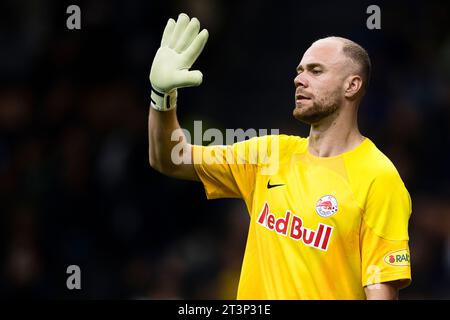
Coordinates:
<point>75,184</point>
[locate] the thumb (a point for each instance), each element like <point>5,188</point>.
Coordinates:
<point>189,78</point>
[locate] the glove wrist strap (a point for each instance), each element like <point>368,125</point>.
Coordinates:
<point>163,101</point>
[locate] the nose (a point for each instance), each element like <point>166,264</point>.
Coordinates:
<point>300,80</point>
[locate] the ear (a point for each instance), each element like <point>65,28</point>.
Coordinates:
<point>352,86</point>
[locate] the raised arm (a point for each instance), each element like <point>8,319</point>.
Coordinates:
<point>181,45</point>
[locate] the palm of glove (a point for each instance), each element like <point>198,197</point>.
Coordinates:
<point>181,45</point>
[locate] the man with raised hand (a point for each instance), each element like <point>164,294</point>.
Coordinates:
<point>332,221</point>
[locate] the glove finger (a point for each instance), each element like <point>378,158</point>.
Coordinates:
<point>168,30</point>
<point>193,51</point>
<point>188,35</point>
<point>185,78</point>
<point>180,26</point>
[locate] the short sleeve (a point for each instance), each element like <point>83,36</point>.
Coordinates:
<point>384,231</point>
<point>384,260</point>
<point>230,171</point>
<point>388,206</point>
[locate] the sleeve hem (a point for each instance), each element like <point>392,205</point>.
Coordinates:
<point>208,193</point>
<point>386,277</point>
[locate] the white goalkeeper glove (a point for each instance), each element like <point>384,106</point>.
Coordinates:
<point>181,45</point>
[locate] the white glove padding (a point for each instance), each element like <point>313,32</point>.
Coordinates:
<point>181,45</point>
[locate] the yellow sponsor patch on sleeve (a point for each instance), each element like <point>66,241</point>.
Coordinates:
<point>398,258</point>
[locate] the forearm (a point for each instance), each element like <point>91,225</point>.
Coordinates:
<point>381,291</point>
<point>161,126</point>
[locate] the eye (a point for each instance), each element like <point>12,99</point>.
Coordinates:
<point>316,71</point>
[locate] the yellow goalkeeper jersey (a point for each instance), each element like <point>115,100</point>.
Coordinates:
<point>320,227</point>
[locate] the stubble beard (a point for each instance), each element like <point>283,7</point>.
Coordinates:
<point>319,110</point>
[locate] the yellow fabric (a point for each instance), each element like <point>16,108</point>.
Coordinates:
<point>332,225</point>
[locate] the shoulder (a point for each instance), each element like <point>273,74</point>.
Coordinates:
<point>371,164</point>
<point>283,139</point>
<point>382,194</point>
<point>374,178</point>
<point>282,143</point>
<point>270,148</point>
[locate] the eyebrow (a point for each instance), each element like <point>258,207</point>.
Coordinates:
<point>310,66</point>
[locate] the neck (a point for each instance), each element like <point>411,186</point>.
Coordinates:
<point>336,134</point>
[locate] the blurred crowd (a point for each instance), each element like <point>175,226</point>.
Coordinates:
<point>75,184</point>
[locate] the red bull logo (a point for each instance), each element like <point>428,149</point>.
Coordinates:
<point>326,206</point>
<point>292,226</point>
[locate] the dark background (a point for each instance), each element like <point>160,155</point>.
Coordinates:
<point>75,184</point>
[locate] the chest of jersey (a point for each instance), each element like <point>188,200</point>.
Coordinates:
<point>309,203</point>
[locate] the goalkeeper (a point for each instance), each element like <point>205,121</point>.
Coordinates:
<point>332,221</point>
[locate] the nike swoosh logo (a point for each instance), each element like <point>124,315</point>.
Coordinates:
<point>273,185</point>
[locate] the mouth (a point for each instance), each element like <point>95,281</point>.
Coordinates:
<point>301,98</point>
